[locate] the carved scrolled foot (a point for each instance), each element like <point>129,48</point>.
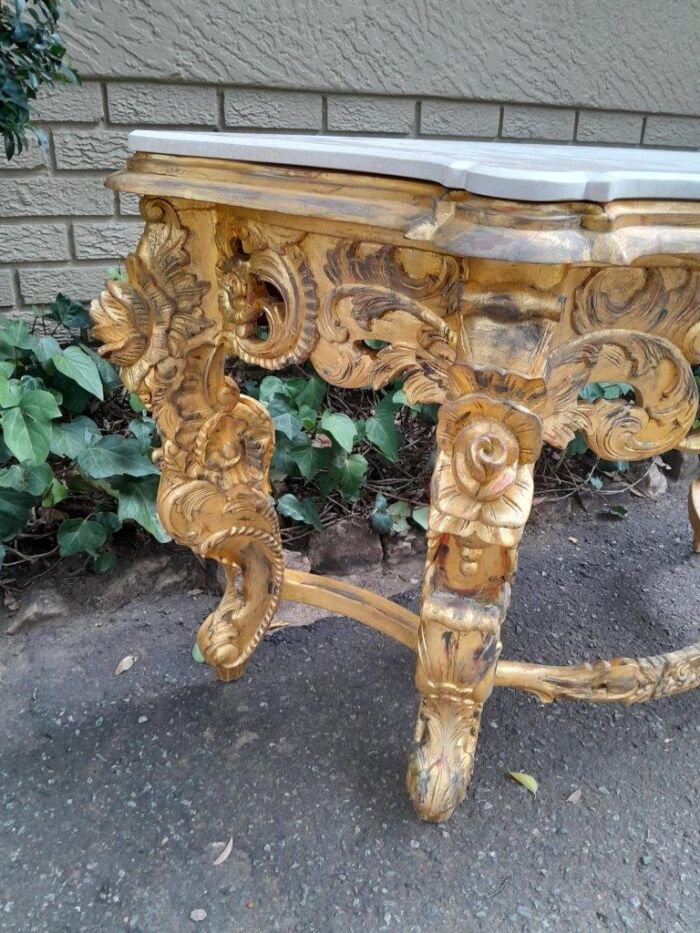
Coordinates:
<point>441,761</point>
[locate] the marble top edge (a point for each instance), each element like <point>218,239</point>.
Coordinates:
<point>512,170</point>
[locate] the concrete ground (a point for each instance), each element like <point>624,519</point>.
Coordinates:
<point>117,792</point>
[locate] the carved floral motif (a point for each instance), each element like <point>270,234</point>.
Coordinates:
<point>505,349</point>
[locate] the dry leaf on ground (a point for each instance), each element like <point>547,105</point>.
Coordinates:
<point>125,664</point>
<point>221,858</point>
<point>527,780</point>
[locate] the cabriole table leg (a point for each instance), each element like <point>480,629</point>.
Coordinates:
<point>164,329</point>
<point>481,495</point>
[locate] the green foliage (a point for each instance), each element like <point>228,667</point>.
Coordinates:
<point>31,55</point>
<point>55,459</point>
<point>322,452</point>
<point>578,446</point>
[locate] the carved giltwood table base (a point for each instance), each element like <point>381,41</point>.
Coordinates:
<point>501,312</point>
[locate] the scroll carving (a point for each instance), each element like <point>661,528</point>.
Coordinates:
<point>163,329</point>
<point>402,298</point>
<point>656,302</point>
<point>666,395</point>
<point>505,349</point>
<point>265,282</point>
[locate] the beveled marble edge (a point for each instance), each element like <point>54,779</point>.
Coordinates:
<point>513,171</point>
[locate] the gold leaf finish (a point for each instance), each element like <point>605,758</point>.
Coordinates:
<point>500,312</point>
<point>164,330</point>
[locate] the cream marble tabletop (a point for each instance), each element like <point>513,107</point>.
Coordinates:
<point>515,171</point>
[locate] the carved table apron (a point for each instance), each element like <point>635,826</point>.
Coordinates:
<point>500,311</point>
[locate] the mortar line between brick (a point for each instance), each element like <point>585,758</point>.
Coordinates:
<point>327,91</point>
<point>105,104</point>
<point>71,241</point>
<point>17,288</point>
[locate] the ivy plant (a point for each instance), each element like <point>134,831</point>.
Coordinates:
<point>327,452</point>
<point>60,463</point>
<point>32,54</point>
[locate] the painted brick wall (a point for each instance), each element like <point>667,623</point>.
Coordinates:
<point>60,228</point>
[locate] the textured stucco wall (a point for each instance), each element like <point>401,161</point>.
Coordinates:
<point>594,71</point>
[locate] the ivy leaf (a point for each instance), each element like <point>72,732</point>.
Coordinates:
<point>354,471</point>
<point>288,424</point>
<point>110,520</point>
<point>39,405</point>
<point>328,481</point>
<point>143,432</point>
<point>310,460</point>
<point>301,510</point>
<point>46,348</point>
<point>57,493</point>
<point>69,438</point>
<point>15,509</point>
<point>104,562</point>
<point>71,314</point>
<point>10,393</point>
<point>77,365</point>
<point>307,416</point>
<point>272,387</point>
<point>26,438</point>
<point>114,455</point>
<point>313,394</point>
<point>137,501</point>
<point>381,522</point>
<point>399,512</point>
<point>108,373</point>
<point>33,478</point>
<point>80,535</point>
<point>420,516</point>
<point>75,398</point>
<point>15,334</point>
<point>379,518</point>
<point>341,428</point>
<point>383,434</point>
<point>135,403</point>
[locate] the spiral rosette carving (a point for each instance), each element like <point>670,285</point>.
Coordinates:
<point>267,295</point>
<point>481,494</point>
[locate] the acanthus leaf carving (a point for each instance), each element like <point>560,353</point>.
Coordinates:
<point>666,397</point>
<point>373,298</point>
<point>164,329</point>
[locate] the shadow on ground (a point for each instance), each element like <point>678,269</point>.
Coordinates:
<point>116,789</point>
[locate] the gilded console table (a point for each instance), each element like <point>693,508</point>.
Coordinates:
<point>501,279</point>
